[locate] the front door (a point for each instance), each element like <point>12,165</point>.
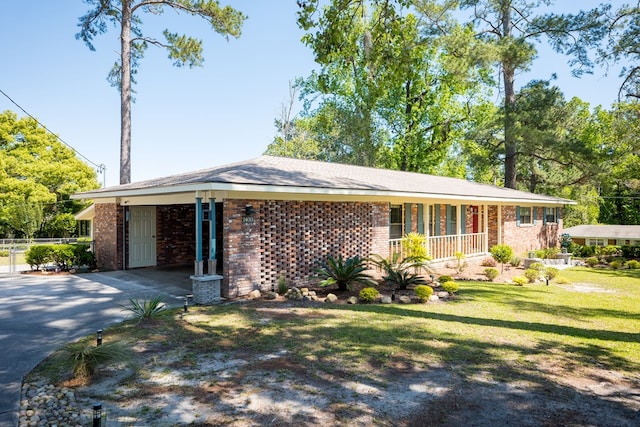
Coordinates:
<point>142,236</point>
<point>475,223</point>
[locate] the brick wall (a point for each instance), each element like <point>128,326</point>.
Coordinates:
<point>288,237</point>
<point>528,237</point>
<point>108,236</point>
<point>175,228</point>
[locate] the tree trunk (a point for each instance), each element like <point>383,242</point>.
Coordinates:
<point>125,94</point>
<point>508,74</point>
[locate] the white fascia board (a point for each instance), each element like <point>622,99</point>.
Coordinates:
<point>318,191</point>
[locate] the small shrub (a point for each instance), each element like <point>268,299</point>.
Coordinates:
<point>461,263</point>
<point>491,273</point>
<point>147,308</point>
<point>445,278</point>
<point>615,265</point>
<point>633,264</point>
<point>489,262</point>
<point>368,294</point>
<point>282,285</point>
<point>550,273</point>
<point>83,256</point>
<point>451,287</point>
<point>537,266</point>
<point>4,253</point>
<point>423,292</point>
<point>515,261</point>
<point>343,272</point>
<point>561,280</point>
<point>608,250</point>
<point>520,280</point>
<point>540,253</point>
<point>402,278</point>
<point>531,275</point>
<point>502,253</point>
<point>38,255</point>
<point>84,359</point>
<point>415,246</point>
<point>62,256</point>
<point>592,261</point>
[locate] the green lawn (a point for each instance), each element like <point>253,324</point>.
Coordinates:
<point>535,334</point>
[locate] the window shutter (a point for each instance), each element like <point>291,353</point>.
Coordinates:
<point>420,218</point>
<point>463,219</point>
<point>558,214</point>
<point>436,220</point>
<point>407,218</point>
<point>518,216</point>
<point>448,220</point>
<point>533,214</point>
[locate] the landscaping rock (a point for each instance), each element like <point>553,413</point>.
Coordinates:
<point>442,294</point>
<point>352,300</point>
<point>404,299</point>
<point>331,298</point>
<point>255,294</point>
<point>271,295</point>
<point>434,298</point>
<point>385,299</point>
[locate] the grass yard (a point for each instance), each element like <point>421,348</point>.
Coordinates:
<point>564,354</point>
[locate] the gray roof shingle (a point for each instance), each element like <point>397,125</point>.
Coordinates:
<point>286,172</point>
<point>602,231</point>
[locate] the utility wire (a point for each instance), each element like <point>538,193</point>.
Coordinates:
<point>101,167</point>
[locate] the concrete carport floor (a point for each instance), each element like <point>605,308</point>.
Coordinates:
<point>39,313</point>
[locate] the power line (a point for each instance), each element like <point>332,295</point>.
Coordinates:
<point>101,167</point>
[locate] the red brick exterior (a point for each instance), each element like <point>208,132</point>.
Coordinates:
<point>176,231</point>
<point>288,237</point>
<point>108,236</point>
<point>527,237</point>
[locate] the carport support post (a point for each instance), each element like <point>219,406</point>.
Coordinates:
<point>198,261</point>
<point>213,263</point>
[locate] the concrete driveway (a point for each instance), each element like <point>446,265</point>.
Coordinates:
<point>40,313</point>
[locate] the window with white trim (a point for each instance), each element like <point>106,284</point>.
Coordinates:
<point>396,222</point>
<point>597,242</point>
<point>550,215</point>
<point>525,216</point>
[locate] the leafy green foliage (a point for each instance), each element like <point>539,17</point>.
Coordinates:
<point>451,287</point>
<point>344,272</point>
<point>282,285</point>
<point>415,247</point>
<point>38,255</point>
<point>592,261</point>
<point>423,292</point>
<point>538,266</point>
<point>445,278</point>
<point>520,280</point>
<point>633,264</point>
<point>398,272</point>
<point>502,254</point>
<point>550,273</point>
<point>84,359</point>
<point>491,273</point>
<point>150,308</point>
<point>403,278</point>
<point>368,294</point>
<point>615,265</point>
<point>515,261</point>
<point>531,274</point>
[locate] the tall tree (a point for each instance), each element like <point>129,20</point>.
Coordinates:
<point>511,29</point>
<point>182,49</point>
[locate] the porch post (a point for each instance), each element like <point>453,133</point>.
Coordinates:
<point>459,228</point>
<point>499,224</point>
<point>198,267</point>
<point>485,220</point>
<point>213,262</point>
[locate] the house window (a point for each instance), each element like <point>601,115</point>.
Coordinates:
<point>395,222</point>
<point>524,215</point>
<point>84,228</point>
<point>452,219</point>
<point>550,215</point>
<point>596,242</point>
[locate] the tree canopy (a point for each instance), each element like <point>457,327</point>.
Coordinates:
<point>38,174</point>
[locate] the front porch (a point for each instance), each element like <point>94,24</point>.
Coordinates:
<point>442,248</point>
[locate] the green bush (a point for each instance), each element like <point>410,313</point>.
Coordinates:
<point>398,272</point>
<point>82,256</point>
<point>537,266</point>
<point>502,254</point>
<point>541,253</point>
<point>608,250</point>
<point>630,251</point>
<point>633,264</point>
<point>4,253</point>
<point>520,280</point>
<point>531,274</point>
<point>38,255</point>
<point>402,278</point>
<point>63,256</point>
<point>282,285</point>
<point>343,272</point>
<point>450,286</point>
<point>84,359</point>
<point>515,261</point>
<point>147,308</point>
<point>561,280</point>
<point>615,265</point>
<point>415,247</point>
<point>550,273</point>
<point>444,278</point>
<point>368,294</point>
<point>491,273</point>
<point>423,292</point>
<point>592,261</point>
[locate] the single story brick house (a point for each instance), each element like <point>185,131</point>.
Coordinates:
<point>255,221</point>
<point>604,235</point>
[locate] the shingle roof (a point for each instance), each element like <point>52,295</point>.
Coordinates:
<point>285,172</point>
<point>605,231</point>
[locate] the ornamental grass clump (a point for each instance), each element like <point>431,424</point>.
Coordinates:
<point>147,309</point>
<point>423,292</point>
<point>344,272</point>
<point>84,359</point>
<point>368,294</point>
<point>531,274</point>
<point>592,261</point>
<point>520,280</point>
<point>550,273</point>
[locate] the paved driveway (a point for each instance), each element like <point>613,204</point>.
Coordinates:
<point>40,313</point>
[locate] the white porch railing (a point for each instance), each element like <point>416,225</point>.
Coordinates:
<point>445,247</point>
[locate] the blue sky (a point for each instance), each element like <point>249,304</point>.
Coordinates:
<point>183,119</point>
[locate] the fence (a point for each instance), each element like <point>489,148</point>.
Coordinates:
<point>12,251</point>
